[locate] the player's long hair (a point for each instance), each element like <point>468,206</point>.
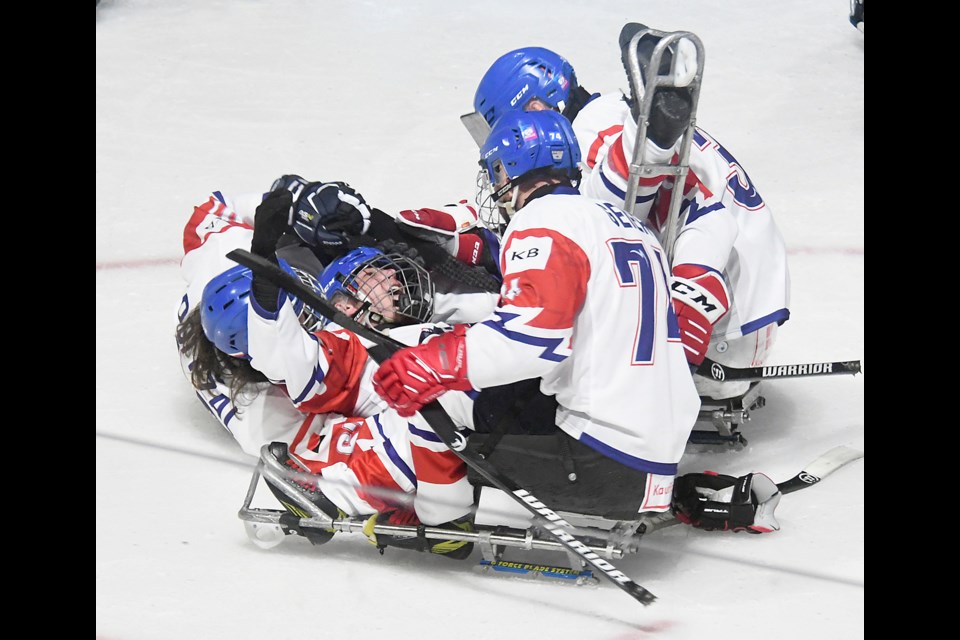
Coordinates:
<point>209,363</point>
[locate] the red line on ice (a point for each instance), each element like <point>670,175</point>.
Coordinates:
<point>169,262</point>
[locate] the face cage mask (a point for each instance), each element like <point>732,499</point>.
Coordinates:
<point>494,213</point>
<point>310,319</point>
<point>409,297</point>
<point>487,210</point>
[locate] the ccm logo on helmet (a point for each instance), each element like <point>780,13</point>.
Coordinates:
<point>491,152</point>
<point>513,102</point>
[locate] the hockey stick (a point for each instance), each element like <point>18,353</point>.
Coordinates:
<point>811,474</point>
<point>476,126</point>
<point>444,427</point>
<point>719,372</point>
<point>820,468</point>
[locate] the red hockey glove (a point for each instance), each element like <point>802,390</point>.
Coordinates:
<point>712,501</point>
<point>700,298</point>
<point>448,227</point>
<point>448,220</point>
<point>454,227</point>
<point>416,376</point>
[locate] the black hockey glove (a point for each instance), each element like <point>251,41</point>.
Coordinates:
<point>712,501</point>
<point>292,183</point>
<point>672,107</point>
<point>271,221</point>
<point>328,213</point>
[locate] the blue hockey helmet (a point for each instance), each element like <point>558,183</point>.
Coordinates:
<point>525,141</point>
<point>520,76</point>
<point>390,288</point>
<point>223,310</point>
<point>224,303</point>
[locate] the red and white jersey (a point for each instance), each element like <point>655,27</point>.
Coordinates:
<point>585,306</point>
<point>728,227</point>
<point>330,373</point>
<point>367,462</point>
<point>597,126</point>
<point>213,230</point>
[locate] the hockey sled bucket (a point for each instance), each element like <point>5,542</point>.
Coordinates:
<point>639,167</point>
<point>267,527</point>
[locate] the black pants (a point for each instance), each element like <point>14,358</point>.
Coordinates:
<point>565,474</point>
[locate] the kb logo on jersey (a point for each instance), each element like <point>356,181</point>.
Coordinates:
<point>532,252</point>
<point>521,255</point>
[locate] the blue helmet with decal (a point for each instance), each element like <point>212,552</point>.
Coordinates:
<point>520,76</point>
<point>340,274</point>
<point>223,310</point>
<point>525,141</point>
<point>224,303</point>
<point>388,288</point>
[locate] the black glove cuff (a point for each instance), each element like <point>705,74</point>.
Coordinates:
<point>722,515</point>
<point>266,294</point>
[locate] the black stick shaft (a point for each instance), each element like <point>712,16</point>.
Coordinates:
<point>719,372</point>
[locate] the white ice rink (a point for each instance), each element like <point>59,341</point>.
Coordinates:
<point>200,95</point>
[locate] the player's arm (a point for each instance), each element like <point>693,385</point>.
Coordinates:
<point>529,334</point>
<point>545,284</point>
<point>320,370</point>
<point>698,285</point>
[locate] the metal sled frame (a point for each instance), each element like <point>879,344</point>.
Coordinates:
<point>726,416</point>
<point>638,166</point>
<point>614,539</point>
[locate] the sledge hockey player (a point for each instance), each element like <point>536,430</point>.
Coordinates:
<point>584,310</point>
<point>856,14</point>
<point>307,387</point>
<point>251,409</point>
<point>329,219</point>
<point>572,267</point>
<point>730,281</point>
<point>265,413</point>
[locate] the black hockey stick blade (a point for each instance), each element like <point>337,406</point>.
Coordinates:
<point>720,372</point>
<point>820,468</point>
<point>443,426</point>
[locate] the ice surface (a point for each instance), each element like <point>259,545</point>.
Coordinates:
<point>197,95</point>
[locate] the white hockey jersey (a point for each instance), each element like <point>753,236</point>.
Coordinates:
<point>586,307</point>
<point>728,228</point>
<point>597,126</point>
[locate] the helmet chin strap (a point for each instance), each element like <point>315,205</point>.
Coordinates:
<point>509,209</point>
<point>365,315</point>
